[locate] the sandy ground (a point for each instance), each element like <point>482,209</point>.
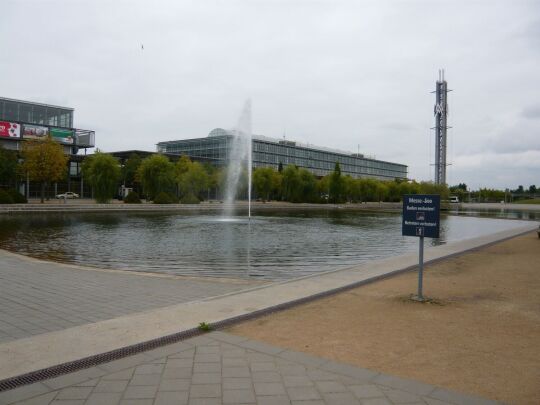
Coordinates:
<point>481,335</point>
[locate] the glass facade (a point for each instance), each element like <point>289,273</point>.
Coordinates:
<point>269,152</point>
<point>32,113</point>
<point>58,122</point>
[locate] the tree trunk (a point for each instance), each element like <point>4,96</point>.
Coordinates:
<point>42,191</point>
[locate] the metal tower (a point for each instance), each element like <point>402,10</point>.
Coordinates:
<point>441,114</point>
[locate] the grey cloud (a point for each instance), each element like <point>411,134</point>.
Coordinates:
<point>532,112</point>
<point>397,126</point>
<point>337,74</point>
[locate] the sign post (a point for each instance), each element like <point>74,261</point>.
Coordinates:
<point>421,218</point>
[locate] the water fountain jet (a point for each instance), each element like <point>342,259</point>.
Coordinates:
<point>240,156</point>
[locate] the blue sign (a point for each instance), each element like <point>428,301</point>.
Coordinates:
<point>421,215</point>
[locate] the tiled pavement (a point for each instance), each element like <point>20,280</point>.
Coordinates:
<point>219,368</point>
<point>38,297</point>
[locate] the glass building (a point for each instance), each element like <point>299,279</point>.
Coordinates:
<point>270,152</point>
<point>24,120</point>
<point>21,120</point>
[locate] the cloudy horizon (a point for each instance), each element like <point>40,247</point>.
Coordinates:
<point>351,75</point>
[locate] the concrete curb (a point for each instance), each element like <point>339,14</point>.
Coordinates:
<point>51,349</point>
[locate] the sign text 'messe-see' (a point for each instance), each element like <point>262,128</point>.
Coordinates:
<point>421,215</point>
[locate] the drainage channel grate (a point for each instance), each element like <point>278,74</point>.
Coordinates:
<point>91,361</point>
<point>70,367</point>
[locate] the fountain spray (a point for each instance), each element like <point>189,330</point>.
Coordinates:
<point>240,152</point>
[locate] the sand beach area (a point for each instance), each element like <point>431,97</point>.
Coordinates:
<point>479,335</point>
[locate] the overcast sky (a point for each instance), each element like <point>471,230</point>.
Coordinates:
<point>342,74</point>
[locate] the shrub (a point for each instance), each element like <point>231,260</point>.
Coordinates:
<point>164,198</point>
<point>5,198</point>
<point>205,327</point>
<point>132,198</point>
<point>17,197</point>
<point>190,199</point>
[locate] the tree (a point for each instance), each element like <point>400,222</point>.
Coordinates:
<point>394,191</point>
<point>129,170</point>
<point>381,191</point>
<point>368,190</point>
<point>45,162</point>
<point>102,172</point>
<point>323,188</point>
<point>291,184</point>
<point>532,189</point>
<point>192,179</point>
<point>213,178</point>
<point>156,174</point>
<point>308,186</point>
<point>8,166</point>
<point>263,181</point>
<point>428,187</point>
<point>336,186</point>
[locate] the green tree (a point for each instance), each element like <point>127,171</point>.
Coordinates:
<point>308,186</point>
<point>460,191</point>
<point>213,178</point>
<point>263,181</point>
<point>350,189</point>
<point>156,174</point>
<point>129,170</point>
<point>291,184</point>
<point>381,191</point>
<point>182,166</point>
<point>336,186</point>
<point>44,162</point>
<point>428,187</point>
<point>192,180</point>
<point>366,190</point>
<point>8,166</point>
<point>394,191</point>
<point>489,195</point>
<point>102,172</point>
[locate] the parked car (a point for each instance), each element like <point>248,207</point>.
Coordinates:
<point>68,194</point>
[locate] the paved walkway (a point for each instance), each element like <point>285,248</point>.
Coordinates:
<point>219,368</point>
<point>38,297</point>
<point>104,291</point>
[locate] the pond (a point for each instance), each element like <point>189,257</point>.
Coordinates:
<point>277,245</point>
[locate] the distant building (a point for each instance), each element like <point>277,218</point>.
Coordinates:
<point>23,120</point>
<point>270,152</point>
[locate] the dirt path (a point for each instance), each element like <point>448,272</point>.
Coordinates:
<point>481,337</point>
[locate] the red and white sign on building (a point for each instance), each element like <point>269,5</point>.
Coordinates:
<point>10,129</point>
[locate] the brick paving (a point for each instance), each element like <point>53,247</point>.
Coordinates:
<point>219,368</point>
<point>38,297</point>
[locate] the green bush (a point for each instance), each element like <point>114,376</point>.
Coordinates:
<point>190,199</point>
<point>5,198</point>
<point>17,197</point>
<point>164,198</point>
<point>132,198</point>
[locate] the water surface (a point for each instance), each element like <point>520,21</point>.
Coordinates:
<point>274,246</point>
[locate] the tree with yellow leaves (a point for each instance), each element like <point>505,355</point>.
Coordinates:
<point>44,161</point>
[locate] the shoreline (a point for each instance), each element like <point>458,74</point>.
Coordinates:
<point>70,345</point>
<point>86,205</point>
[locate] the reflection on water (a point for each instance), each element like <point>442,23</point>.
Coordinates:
<point>503,212</point>
<point>277,246</point>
